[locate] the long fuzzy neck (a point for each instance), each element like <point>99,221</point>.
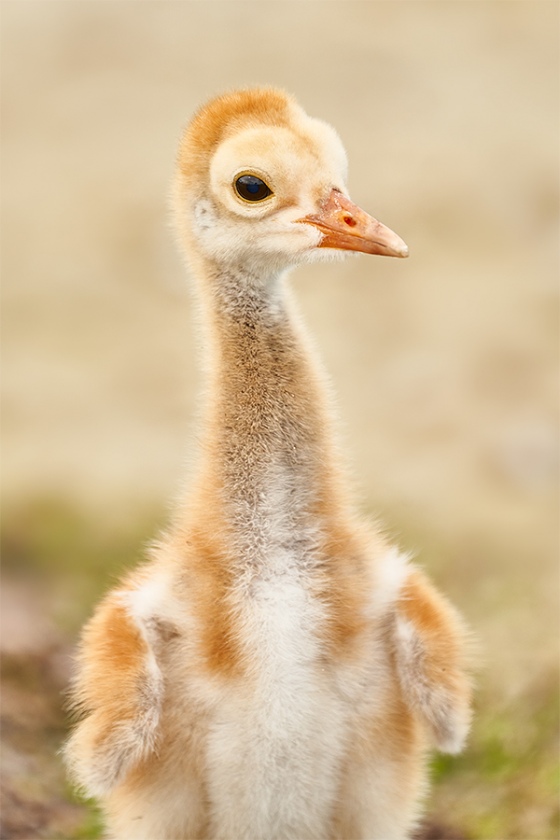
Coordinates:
<point>267,453</point>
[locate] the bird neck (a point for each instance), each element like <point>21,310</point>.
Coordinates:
<point>267,452</point>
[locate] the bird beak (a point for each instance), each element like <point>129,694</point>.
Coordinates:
<point>347,227</point>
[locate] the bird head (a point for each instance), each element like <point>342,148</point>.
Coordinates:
<point>258,180</point>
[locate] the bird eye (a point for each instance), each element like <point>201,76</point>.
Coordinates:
<point>251,188</point>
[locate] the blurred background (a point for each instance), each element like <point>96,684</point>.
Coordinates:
<point>445,365</point>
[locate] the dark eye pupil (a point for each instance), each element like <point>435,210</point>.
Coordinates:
<point>252,188</point>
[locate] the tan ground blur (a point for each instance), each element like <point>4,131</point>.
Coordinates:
<point>445,365</point>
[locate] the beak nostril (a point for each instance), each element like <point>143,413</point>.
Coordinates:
<point>349,220</point>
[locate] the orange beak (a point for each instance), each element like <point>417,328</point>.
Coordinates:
<point>347,227</point>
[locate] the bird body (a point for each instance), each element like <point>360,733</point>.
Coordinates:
<point>277,669</point>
